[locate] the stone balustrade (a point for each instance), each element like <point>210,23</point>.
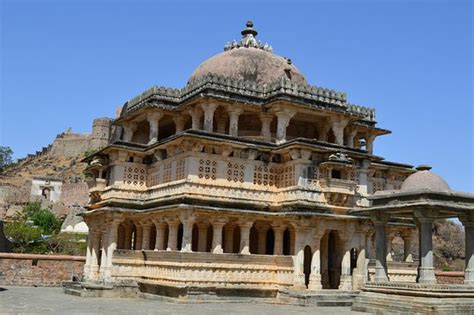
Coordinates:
<point>204,269</point>
<point>201,174</point>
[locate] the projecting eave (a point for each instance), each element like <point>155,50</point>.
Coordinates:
<point>125,209</point>
<point>239,142</point>
<point>436,204</point>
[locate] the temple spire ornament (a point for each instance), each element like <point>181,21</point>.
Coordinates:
<point>248,40</point>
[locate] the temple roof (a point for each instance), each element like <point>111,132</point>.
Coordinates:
<point>251,61</point>
<point>424,179</point>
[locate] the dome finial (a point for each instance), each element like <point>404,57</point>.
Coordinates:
<point>249,30</point>
<point>249,35</point>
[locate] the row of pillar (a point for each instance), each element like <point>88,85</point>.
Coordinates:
<point>426,270</point>
<point>202,118</point>
<point>220,227</point>
<point>102,244</point>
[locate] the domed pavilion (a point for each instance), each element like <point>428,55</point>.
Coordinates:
<point>250,181</point>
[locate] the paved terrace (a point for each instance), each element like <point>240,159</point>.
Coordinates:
<point>42,300</point>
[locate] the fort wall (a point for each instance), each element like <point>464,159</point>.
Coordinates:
<point>39,270</point>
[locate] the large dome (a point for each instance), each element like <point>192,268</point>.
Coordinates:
<point>424,179</point>
<point>249,60</point>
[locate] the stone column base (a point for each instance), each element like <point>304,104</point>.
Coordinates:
<point>426,275</point>
<point>87,271</point>
<point>380,274</point>
<point>299,282</point>
<point>469,276</point>
<point>345,283</point>
<point>315,282</point>
<point>93,273</point>
<point>358,281</point>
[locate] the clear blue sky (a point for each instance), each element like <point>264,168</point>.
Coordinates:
<point>64,63</point>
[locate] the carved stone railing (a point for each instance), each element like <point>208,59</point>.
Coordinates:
<point>339,185</point>
<point>397,272</point>
<point>203,269</point>
<point>206,191</point>
<point>249,89</point>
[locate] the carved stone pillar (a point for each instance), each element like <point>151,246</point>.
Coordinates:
<point>209,110</point>
<point>407,247</point>
<point>380,252</point>
<point>146,236</point>
<point>234,114</point>
<point>346,278</point>
<point>178,123</point>
<point>160,235</point>
<point>172,235</point>
<point>138,237</point>
<point>370,143</point>
<point>469,239</point>
<point>202,237</point>
<point>93,250</point>
<point>187,234</point>
<point>245,237</point>
<point>426,272</point>
<point>103,253</point>
<point>153,121</point>
<point>88,255</point>
<point>229,239</point>
<point>128,131</point>
<point>111,246</point>
<point>217,226</point>
<point>338,126</point>
<point>196,115</point>
<point>278,245</point>
<point>266,120</point>
<point>315,280</point>
<point>298,260</point>
<point>350,137</point>
<point>283,117</point>
<point>360,274</point>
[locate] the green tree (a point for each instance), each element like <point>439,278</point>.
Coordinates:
<point>5,156</point>
<point>21,233</point>
<point>43,218</point>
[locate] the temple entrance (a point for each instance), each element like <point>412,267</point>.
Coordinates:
<point>307,264</point>
<point>334,264</point>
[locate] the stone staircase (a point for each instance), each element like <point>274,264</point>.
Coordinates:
<point>89,289</point>
<point>186,294</point>
<point>317,298</point>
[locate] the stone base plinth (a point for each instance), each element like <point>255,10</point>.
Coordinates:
<point>409,298</point>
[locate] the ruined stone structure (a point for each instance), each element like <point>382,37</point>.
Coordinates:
<point>74,144</point>
<point>248,179</point>
<point>48,189</point>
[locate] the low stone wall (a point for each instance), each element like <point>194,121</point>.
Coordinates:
<point>450,277</point>
<point>397,271</point>
<point>39,270</point>
<point>204,269</point>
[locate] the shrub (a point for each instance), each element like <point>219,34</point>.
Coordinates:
<point>22,235</point>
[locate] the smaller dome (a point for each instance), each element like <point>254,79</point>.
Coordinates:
<point>424,179</point>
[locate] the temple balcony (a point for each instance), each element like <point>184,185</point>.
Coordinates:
<point>221,178</point>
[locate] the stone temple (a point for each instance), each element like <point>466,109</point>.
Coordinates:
<point>249,181</point>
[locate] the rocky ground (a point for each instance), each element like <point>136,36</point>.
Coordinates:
<point>30,300</point>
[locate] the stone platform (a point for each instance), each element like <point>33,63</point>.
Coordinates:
<point>414,298</point>
<point>195,294</point>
